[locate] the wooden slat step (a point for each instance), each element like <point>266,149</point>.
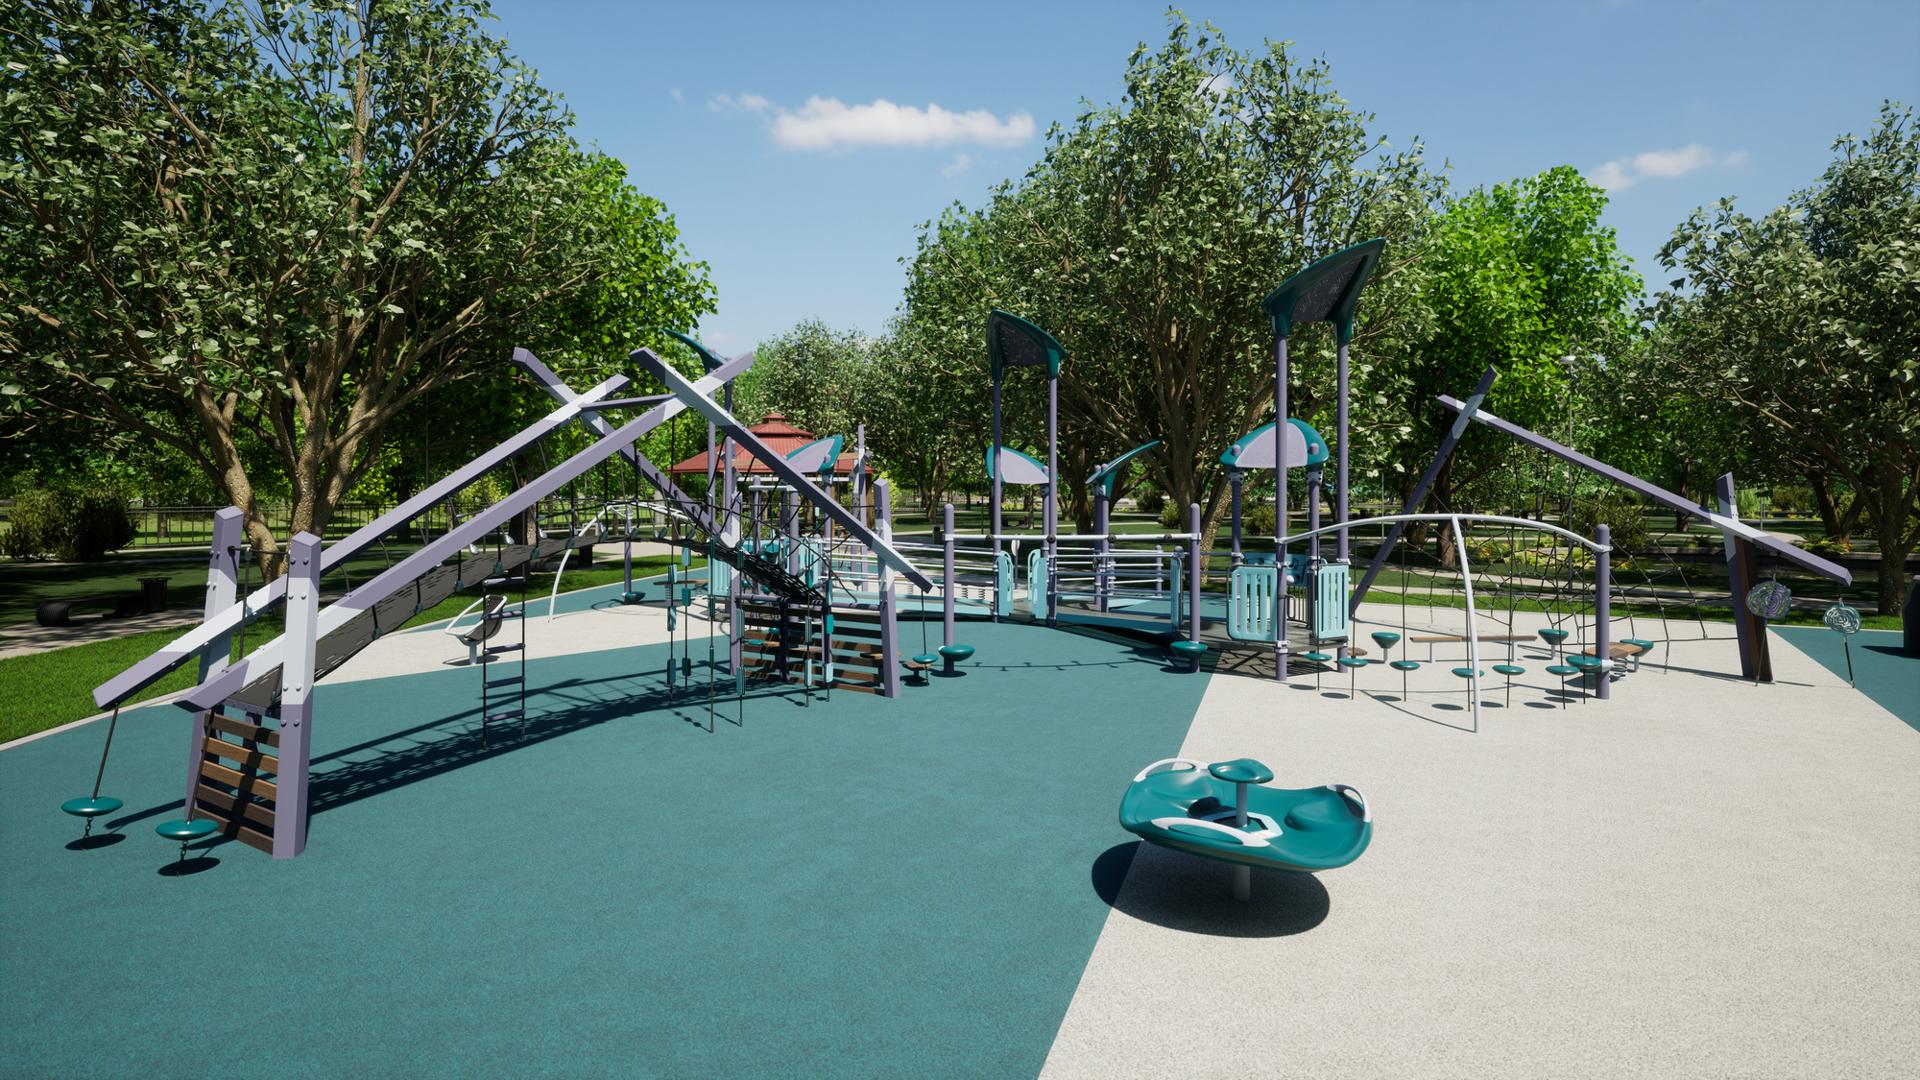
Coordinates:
<point>242,832</point>
<point>225,803</point>
<point>242,729</point>
<point>1617,651</point>
<point>253,785</point>
<point>251,758</point>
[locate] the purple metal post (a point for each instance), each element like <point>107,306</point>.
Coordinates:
<point>1236,481</point>
<point>889,605</point>
<point>1280,509</point>
<point>1100,549</point>
<point>993,487</point>
<point>1340,425</point>
<point>1053,500</point>
<point>946,565</point>
<point>296,696</point>
<point>1603,606</point>
<point>1193,579</point>
<point>223,577</point>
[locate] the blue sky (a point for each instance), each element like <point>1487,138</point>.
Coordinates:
<point>803,210</point>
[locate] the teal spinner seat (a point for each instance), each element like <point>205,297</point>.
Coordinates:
<point>1188,652</point>
<point>1188,806</point>
<point>953,655</point>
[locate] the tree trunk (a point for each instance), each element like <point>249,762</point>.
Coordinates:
<point>1896,543</point>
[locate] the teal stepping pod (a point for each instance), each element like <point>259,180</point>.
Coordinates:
<point>1386,639</point>
<point>1562,670</point>
<point>1354,661</point>
<point>1316,657</point>
<point>953,654</point>
<point>1553,636</point>
<point>1587,665</point>
<point>1353,664</point>
<point>1510,670</point>
<point>1404,665</point>
<point>1190,651</point>
<point>1467,672</point>
<point>186,832</point>
<point>921,666</point>
<point>1645,646</point>
<point>1188,806</point>
<point>88,809</point>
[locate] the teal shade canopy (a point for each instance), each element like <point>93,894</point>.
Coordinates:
<point>1014,342</point>
<point>1327,291</point>
<point>818,455</point>
<point>1107,475</point>
<point>1016,468</point>
<point>1255,449</point>
<point>708,358</point>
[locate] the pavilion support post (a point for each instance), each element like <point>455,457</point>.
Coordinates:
<point>296,696</point>
<point>223,586</point>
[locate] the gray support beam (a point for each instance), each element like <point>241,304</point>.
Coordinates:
<point>1102,565</point>
<point>1805,560</point>
<point>223,585</point>
<point>1052,508</point>
<point>697,398</point>
<point>1420,489</point>
<point>1340,468</point>
<point>1748,628</point>
<point>692,508</point>
<point>296,696</point>
<point>193,642</point>
<point>269,656</point>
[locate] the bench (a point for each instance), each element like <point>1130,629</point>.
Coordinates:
<point>60,612</point>
<point>1429,640</point>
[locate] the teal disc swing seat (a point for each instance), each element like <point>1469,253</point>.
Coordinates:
<point>1189,806</point>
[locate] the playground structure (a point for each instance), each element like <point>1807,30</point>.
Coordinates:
<point>250,743</point>
<point>811,591</point>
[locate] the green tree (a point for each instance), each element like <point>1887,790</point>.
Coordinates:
<point>1808,321</point>
<point>812,374</point>
<point>283,224</point>
<point>1145,238</point>
<point>1520,276</point>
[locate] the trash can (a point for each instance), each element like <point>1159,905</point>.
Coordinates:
<point>153,593</point>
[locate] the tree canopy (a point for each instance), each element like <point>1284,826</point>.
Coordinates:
<point>256,234</point>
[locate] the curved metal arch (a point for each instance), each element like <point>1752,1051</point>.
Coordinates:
<point>1527,523</point>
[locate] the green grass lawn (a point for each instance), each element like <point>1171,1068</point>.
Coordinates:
<point>44,690</point>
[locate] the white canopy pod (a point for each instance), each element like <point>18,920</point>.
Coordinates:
<point>817,456</point>
<point>1254,450</point>
<point>1016,468</point>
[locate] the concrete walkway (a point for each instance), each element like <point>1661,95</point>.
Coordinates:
<point>1699,878</point>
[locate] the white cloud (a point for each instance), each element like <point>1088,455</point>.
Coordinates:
<point>960,163</point>
<point>744,103</point>
<point>1622,173</point>
<point>831,124</point>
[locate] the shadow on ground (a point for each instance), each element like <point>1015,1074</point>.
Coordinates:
<point>1195,895</point>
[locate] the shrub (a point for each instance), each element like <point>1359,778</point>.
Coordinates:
<point>1830,545</point>
<point>1793,499</point>
<point>72,526</point>
<point>1624,515</point>
<point>1149,501</point>
<point>1257,521</point>
<point>1169,514</point>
